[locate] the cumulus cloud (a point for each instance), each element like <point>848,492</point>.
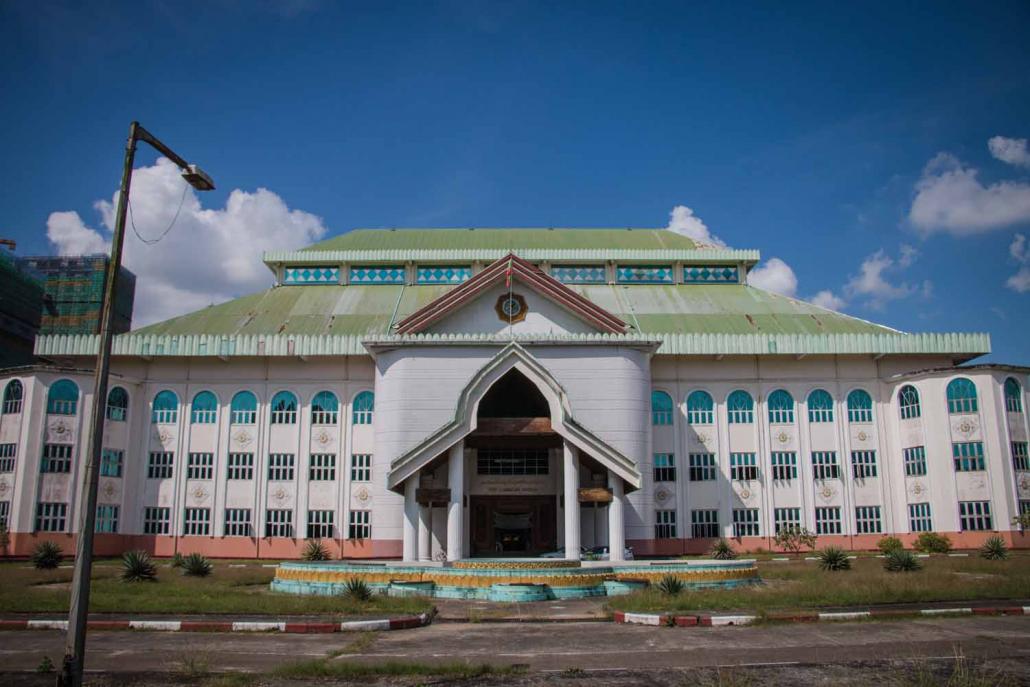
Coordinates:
<point>1020,252</point>
<point>774,275</point>
<point>829,300</point>
<point>873,285</point>
<point>950,198</point>
<point>1011,150</point>
<point>682,220</point>
<point>209,256</point>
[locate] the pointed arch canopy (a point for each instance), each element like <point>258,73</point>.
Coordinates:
<point>464,423</point>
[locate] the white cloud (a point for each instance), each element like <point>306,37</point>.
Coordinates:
<point>774,275</point>
<point>906,255</point>
<point>871,284</point>
<point>1020,252</point>
<point>208,256</point>
<point>949,198</point>
<point>1011,150</point>
<point>682,220</point>
<point>827,299</point>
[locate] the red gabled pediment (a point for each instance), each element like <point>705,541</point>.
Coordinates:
<point>528,274</point>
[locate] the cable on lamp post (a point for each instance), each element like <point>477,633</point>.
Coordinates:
<point>75,644</point>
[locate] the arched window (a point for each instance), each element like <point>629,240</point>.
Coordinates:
<point>820,406</point>
<point>860,406</point>
<point>961,396</point>
<point>661,408</point>
<point>324,408</point>
<point>204,409</point>
<point>364,406</point>
<point>741,408</point>
<point>63,398</point>
<point>908,399</point>
<point>700,408</point>
<point>284,408</point>
<point>166,408</point>
<point>1013,396</point>
<point>781,407</point>
<point>243,409</point>
<point>12,397</point>
<point>117,404</point>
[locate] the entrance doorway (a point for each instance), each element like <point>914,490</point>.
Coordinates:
<point>513,525</point>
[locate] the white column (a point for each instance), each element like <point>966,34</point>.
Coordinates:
<point>455,509</point>
<point>571,473</point>
<point>616,524</point>
<point>410,549</point>
<point>425,533</point>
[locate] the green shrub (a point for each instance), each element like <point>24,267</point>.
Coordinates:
<point>196,565</point>
<point>931,542</point>
<point>900,560</point>
<point>358,589</point>
<point>888,544</point>
<point>315,551</point>
<point>670,585</point>
<point>46,555</point>
<point>834,558</point>
<point>177,560</point>
<point>137,566</point>
<point>794,539</point>
<point>994,549</point>
<point>721,550</point>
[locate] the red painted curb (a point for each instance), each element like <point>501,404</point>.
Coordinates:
<point>107,624</point>
<point>891,613</point>
<point>14,624</point>
<point>793,617</point>
<point>685,620</point>
<point>311,628</point>
<point>708,620</point>
<point>204,626</point>
<point>406,623</point>
<point>619,617</point>
<point>704,620</point>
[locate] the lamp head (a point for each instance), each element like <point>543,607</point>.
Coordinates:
<point>198,178</point>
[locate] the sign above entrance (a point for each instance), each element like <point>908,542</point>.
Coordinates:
<point>511,307</point>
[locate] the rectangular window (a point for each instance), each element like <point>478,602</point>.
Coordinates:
<point>7,453</point>
<point>107,519</point>
<point>919,519</point>
<point>740,416</point>
<point>857,414</point>
<point>665,524</point>
<point>784,465</point>
<point>863,464</point>
<point>531,461</point>
<point>820,413</point>
<point>361,467</point>
<point>320,524</point>
<point>824,465</point>
<point>278,522</point>
<point>360,525</point>
<point>664,467</point>
<point>111,462</point>
<point>1020,458</point>
<point>156,520</point>
<point>197,522</point>
<point>361,416</point>
<point>50,517</point>
<point>200,466</point>
<point>661,417</point>
<point>787,518</point>
<point>203,416</point>
<point>322,467</point>
<point>579,274</point>
<point>280,466</point>
<point>867,520</point>
<point>975,515</point>
<point>56,458</point>
<point>12,406</point>
<point>704,524</point>
<point>743,467</point>
<point>827,520</point>
<point>322,416</point>
<point>237,522</point>
<point>745,522</point>
<point>644,274</point>
<point>240,466</point>
<point>1024,506</point>
<point>700,416</point>
<point>968,456</point>
<point>702,467</point>
<point>5,513</point>
<point>159,466</point>
<point>915,461</point>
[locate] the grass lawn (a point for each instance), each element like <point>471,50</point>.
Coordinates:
<point>801,585</point>
<point>227,590</point>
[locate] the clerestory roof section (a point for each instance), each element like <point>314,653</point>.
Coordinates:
<point>505,239</point>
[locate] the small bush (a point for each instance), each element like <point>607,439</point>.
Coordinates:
<point>994,549</point>
<point>137,566</point>
<point>670,585</point>
<point>900,560</point>
<point>46,555</point>
<point>358,589</point>
<point>931,542</point>
<point>315,551</point>
<point>177,560</point>
<point>794,539</point>
<point>888,544</point>
<point>834,558</point>
<point>721,550</point>
<point>196,565</point>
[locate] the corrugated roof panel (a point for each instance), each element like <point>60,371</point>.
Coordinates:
<point>504,239</point>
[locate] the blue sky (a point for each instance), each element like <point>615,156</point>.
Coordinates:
<point>812,132</point>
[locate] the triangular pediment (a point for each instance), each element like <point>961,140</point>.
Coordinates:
<point>487,290</point>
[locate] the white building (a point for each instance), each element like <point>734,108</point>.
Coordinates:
<point>431,393</point>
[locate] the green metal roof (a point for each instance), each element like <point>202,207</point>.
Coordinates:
<point>504,239</point>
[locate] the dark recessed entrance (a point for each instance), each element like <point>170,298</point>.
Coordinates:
<point>513,525</point>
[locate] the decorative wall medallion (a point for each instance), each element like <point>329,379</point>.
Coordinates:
<point>279,494</point>
<point>703,438</point>
<point>827,492</point>
<point>662,495</point>
<point>511,308</point>
<point>966,426</point>
<point>243,438</point>
<point>979,483</point>
<point>862,436</point>
<point>4,487</point>
<point>199,494</point>
<point>1024,485</point>
<point>164,436</point>
<point>110,491</point>
<point>917,489</point>
<point>783,437</point>
<point>745,494</point>
<point>323,438</point>
<point>60,428</point>
<point>363,495</point>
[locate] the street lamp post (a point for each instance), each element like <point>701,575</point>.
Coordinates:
<point>75,645</point>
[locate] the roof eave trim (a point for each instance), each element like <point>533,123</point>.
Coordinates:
<point>695,255</point>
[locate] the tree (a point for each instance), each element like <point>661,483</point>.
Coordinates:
<point>794,539</point>
<point>1022,521</point>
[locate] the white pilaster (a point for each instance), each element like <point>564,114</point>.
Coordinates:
<point>571,486</point>
<point>616,523</point>
<point>410,541</point>
<point>425,542</point>
<point>455,511</point>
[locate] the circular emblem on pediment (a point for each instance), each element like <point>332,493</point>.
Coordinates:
<point>4,487</point>
<point>511,308</point>
<point>862,436</point>
<point>279,494</point>
<point>917,489</point>
<point>827,492</point>
<point>783,437</point>
<point>243,437</point>
<point>199,494</point>
<point>363,495</point>
<point>323,437</point>
<point>965,426</point>
<point>110,491</point>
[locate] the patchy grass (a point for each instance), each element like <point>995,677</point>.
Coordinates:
<point>227,590</point>
<point>801,585</point>
<point>325,668</point>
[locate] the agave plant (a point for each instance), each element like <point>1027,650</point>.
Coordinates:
<point>671,585</point>
<point>137,566</point>
<point>994,549</point>
<point>358,589</point>
<point>721,550</point>
<point>196,565</point>
<point>46,555</point>
<point>315,551</point>
<point>177,560</point>
<point>834,558</point>
<point>900,560</point>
